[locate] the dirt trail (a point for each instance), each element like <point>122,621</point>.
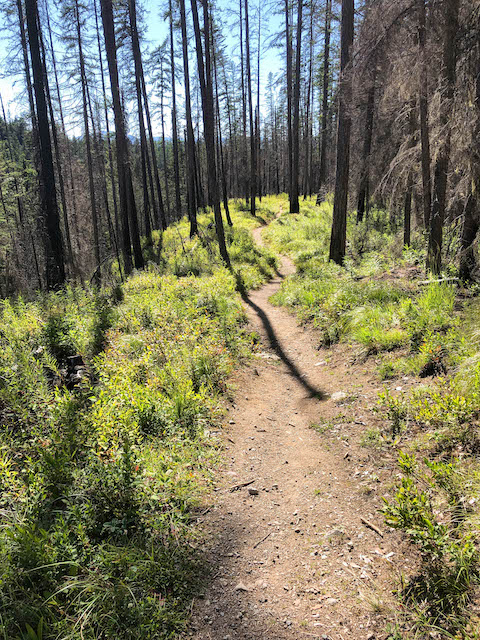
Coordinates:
<point>294,560</point>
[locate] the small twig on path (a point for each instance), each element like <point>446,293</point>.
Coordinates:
<point>262,540</point>
<point>241,485</point>
<point>371,526</point>
<point>439,280</point>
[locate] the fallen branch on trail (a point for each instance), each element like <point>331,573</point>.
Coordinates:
<point>236,487</point>
<point>262,540</point>
<point>371,526</point>
<point>439,280</point>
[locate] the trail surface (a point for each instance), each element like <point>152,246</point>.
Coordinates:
<point>291,556</point>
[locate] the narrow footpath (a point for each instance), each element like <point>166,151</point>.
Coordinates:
<point>291,554</point>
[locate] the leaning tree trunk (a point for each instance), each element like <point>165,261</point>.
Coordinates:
<point>56,145</point>
<point>127,201</point>
<point>107,125</point>
<point>137,61</point>
<point>160,221</point>
<point>220,158</point>
<point>88,147</point>
<point>339,223</point>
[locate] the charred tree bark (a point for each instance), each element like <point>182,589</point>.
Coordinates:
<point>160,219</point>
<point>190,150</point>
<point>448,75</point>
<point>220,158</point>
<point>257,111</point>
<point>86,126</point>
<point>470,229</point>
<point>58,154</point>
<point>55,269</point>
<point>137,61</point>
<point>471,215</point>
<point>363,204</point>
<point>294,204</point>
<point>407,209</point>
<point>322,178</point>
<point>339,224</point>
<point>164,150</point>
<point>289,100</point>
<point>127,201</point>
<point>423,109</point>
<point>244,111</point>
<point>107,125</point>
<point>253,150</point>
<point>307,189</point>
<point>205,75</point>
<point>176,169</point>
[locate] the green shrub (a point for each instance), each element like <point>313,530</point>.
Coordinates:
<point>449,557</point>
<point>100,479</point>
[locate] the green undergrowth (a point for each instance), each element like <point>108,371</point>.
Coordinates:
<point>377,300</point>
<point>175,253</point>
<point>435,426</point>
<point>110,402</point>
<point>382,302</point>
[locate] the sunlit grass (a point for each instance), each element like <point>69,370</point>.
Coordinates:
<point>101,478</point>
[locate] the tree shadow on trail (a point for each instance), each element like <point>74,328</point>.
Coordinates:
<point>313,392</point>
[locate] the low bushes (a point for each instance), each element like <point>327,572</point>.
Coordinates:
<point>108,403</point>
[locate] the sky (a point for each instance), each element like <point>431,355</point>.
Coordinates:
<point>156,32</point>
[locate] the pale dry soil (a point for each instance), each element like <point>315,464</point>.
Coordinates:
<point>290,555</point>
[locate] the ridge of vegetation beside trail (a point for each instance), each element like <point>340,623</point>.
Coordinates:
<point>109,402</point>
<point>380,304</point>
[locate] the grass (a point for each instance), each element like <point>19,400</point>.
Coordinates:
<point>379,302</point>
<point>109,401</point>
<point>371,301</point>
<point>179,255</point>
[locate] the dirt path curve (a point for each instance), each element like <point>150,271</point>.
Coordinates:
<point>290,554</point>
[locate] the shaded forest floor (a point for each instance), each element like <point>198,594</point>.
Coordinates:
<point>291,555</point>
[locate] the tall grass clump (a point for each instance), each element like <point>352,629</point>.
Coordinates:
<point>430,507</point>
<point>372,299</point>
<point>183,256</point>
